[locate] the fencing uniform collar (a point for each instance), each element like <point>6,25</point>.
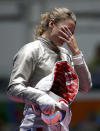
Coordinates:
<point>50,44</point>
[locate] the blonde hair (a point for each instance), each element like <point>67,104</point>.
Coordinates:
<point>57,14</point>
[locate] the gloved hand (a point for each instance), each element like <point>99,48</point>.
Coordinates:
<point>57,116</point>
<point>47,104</point>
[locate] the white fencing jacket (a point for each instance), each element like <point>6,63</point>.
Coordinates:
<point>36,60</point>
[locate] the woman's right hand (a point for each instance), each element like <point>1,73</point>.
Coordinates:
<point>48,105</point>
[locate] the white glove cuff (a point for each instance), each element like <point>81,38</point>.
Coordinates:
<point>78,60</point>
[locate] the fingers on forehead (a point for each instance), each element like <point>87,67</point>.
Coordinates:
<point>68,30</point>
<point>65,28</point>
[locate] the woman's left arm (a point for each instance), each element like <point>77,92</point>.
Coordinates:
<point>81,68</point>
<point>85,82</point>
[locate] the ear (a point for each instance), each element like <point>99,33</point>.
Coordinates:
<point>51,23</point>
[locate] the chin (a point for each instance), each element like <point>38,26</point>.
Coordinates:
<point>60,44</point>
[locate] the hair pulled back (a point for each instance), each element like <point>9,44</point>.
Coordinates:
<point>57,14</point>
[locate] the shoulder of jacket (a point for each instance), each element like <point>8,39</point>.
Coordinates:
<point>32,46</point>
<point>29,49</point>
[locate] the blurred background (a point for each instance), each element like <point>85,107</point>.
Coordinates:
<point>18,19</point>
